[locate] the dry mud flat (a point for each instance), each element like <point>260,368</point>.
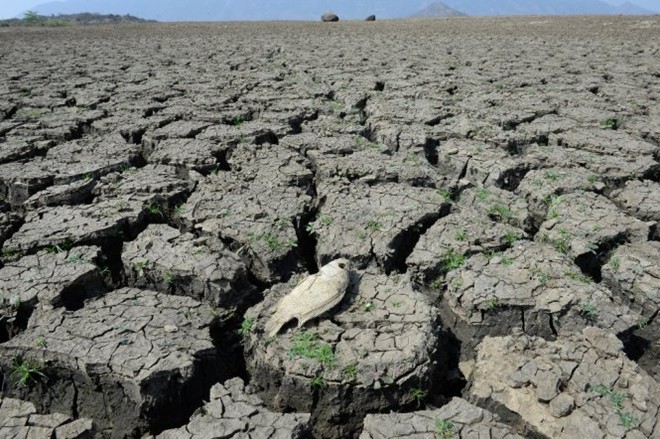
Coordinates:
<point>495,184</point>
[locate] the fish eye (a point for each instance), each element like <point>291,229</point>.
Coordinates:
<point>342,265</point>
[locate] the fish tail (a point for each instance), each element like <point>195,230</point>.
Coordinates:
<point>274,324</point>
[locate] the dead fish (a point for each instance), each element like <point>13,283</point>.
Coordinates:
<point>312,297</point>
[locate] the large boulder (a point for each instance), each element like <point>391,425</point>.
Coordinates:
<point>328,17</point>
<point>370,18</point>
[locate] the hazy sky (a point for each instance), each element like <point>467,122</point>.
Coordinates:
<point>12,8</point>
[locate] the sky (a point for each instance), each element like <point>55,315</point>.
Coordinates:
<point>13,8</point>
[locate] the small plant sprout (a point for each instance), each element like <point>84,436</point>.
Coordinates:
<point>141,266</point>
<point>102,271</point>
<point>541,276</point>
<point>350,372</point>
<point>246,326</point>
<point>26,373</point>
<point>120,205</point>
<point>311,229</point>
<point>418,395</point>
<point>553,201</point>
<point>318,382</point>
<point>40,342</point>
<point>180,209</point>
<point>457,283</point>
<point>506,260</point>
<point>445,194</point>
<point>238,121</point>
<point>500,211</point>
<point>577,276</point>
<point>491,303</point>
<point>511,237</point>
<point>444,429</point>
<point>626,420</point>
<point>563,243</point>
<point>592,178</point>
<point>437,283</point>
<point>326,220</point>
<point>551,175</point>
<point>369,306</point>
<point>15,302</point>
<point>395,303</point>
<point>361,234</point>
<point>643,323</point>
<point>155,210</point>
<point>282,223</point>
<point>374,226</point>
<point>615,263</point>
<point>74,259</point>
<point>336,107</point>
<point>308,345</point>
<point>272,242</point>
<point>460,235</point>
<point>589,311</point>
<point>482,194</point>
<point>609,124</point>
<point>168,278</point>
<point>453,260</point>
<point>8,253</point>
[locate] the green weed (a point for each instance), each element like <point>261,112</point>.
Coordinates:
<point>246,326</point>
<point>444,429</point>
<point>308,345</point>
<point>453,260</point>
<point>155,210</point>
<point>609,124</point>
<point>350,372</point>
<point>491,303</point>
<point>460,235</point>
<point>25,373</point>
<point>589,311</point>
<point>500,211</point>
<point>318,382</point>
<point>511,237</point>
<point>141,266</point>
<point>626,419</point>
<point>418,395</point>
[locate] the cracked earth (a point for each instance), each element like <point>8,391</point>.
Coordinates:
<point>495,184</point>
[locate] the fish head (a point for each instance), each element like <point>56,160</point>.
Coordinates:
<point>336,267</point>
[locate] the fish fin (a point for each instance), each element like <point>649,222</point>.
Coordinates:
<point>274,324</point>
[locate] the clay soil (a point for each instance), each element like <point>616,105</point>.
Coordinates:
<point>494,182</point>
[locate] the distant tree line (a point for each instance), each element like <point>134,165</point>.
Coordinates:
<point>32,18</point>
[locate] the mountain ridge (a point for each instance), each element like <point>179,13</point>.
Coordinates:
<point>437,9</point>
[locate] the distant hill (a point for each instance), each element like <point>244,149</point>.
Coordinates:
<point>437,9</point>
<point>543,7</point>
<point>633,9</point>
<point>232,10</point>
<point>85,18</point>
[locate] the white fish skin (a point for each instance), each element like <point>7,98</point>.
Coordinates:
<point>316,294</point>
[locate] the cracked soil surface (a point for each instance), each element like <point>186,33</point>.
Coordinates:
<point>495,184</point>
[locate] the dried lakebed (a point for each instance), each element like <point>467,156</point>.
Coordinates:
<point>495,184</point>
